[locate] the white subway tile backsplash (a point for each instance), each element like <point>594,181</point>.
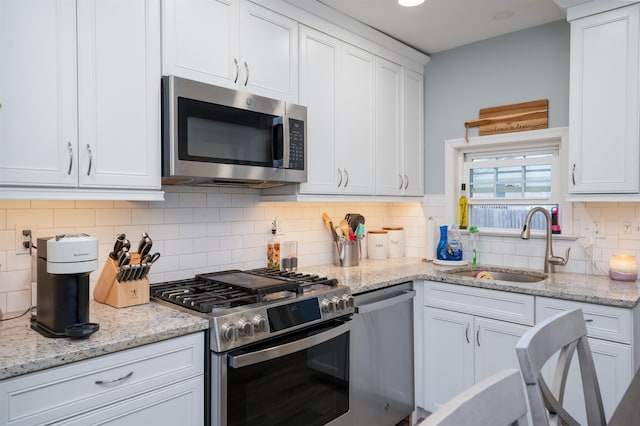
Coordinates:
<point>75,217</point>
<point>231,214</point>
<point>164,232</point>
<point>193,261</point>
<point>218,200</point>
<point>173,247</point>
<point>206,215</point>
<point>193,199</point>
<point>41,218</point>
<point>178,215</point>
<point>18,300</point>
<point>147,216</point>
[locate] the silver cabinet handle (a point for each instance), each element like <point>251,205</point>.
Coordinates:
<point>340,176</point>
<point>246,67</point>
<point>478,336</point>
<point>573,174</point>
<point>237,65</point>
<point>70,148</point>
<point>401,181</point>
<point>346,182</point>
<point>119,379</point>
<point>466,333</point>
<point>90,159</point>
<point>406,181</point>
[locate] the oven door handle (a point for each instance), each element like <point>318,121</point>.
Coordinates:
<point>239,361</point>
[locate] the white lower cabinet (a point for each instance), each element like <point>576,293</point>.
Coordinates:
<point>469,334</point>
<point>159,383</point>
<point>610,336</point>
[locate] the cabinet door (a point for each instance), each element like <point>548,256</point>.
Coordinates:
<point>268,52</point>
<point>178,404</point>
<point>448,355</point>
<point>413,133</point>
<point>320,58</point>
<point>201,40</point>
<point>355,124</point>
<point>389,152</point>
<point>38,120</point>
<point>495,346</point>
<point>119,93</point>
<point>604,110</point>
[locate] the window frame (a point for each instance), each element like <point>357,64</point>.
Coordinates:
<point>554,138</point>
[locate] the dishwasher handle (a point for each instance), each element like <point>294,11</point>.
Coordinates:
<point>370,307</point>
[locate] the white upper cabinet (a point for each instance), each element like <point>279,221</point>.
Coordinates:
<point>119,93</point>
<point>337,86</point>
<point>413,133</point>
<point>604,103</point>
<point>399,135</point>
<point>80,96</point>
<point>355,122</point>
<point>231,43</point>
<point>390,179</point>
<point>38,116</point>
<point>320,59</point>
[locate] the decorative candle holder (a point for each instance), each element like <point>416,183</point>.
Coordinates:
<point>623,267</point>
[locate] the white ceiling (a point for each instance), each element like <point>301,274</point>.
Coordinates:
<point>438,25</point>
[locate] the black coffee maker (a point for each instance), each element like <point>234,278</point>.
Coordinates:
<point>62,302</point>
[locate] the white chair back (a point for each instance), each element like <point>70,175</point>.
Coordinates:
<point>498,400</point>
<point>565,333</point>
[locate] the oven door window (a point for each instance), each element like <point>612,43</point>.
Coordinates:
<point>307,387</point>
<point>220,134</point>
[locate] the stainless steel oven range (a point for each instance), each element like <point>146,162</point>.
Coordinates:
<point>279,343</point>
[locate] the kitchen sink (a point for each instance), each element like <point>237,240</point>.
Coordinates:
<point>499,274</point>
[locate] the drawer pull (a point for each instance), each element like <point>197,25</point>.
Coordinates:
<point>478,336</point>
<point>466,333</point>
<point>119,379</point>
<point>588,320</point>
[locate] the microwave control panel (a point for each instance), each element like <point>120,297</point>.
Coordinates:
<point>296,144</point>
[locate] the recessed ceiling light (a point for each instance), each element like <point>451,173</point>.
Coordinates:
<point>410,3</point>
<point>505,14</point>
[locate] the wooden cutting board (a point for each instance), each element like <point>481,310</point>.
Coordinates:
<point>512,118</point>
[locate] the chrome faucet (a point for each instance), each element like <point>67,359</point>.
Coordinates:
<point>550,261</point>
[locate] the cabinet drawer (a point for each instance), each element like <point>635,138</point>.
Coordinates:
<point>500,305</point>
<point>603,322</point>
<point>60,392</point>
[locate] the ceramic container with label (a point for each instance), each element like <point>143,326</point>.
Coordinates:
<point>378,244</point>
<point>396,240</point>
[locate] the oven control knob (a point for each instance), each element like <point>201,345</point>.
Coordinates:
<point>339,303</point>
<point>348,300</point>
<point>259,323</point>
<point>328,306</point>
<point>229,332</point>
<point>245,327</point>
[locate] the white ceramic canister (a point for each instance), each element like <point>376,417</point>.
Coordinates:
<point>378,244</point>
<point>396,240</point>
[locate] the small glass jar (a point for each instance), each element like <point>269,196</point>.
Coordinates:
<point>623,267</point>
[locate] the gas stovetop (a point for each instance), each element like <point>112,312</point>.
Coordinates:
<point>248,306</point>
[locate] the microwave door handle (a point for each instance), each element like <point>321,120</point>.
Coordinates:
<point>239,361</point>
<point>286,142</point>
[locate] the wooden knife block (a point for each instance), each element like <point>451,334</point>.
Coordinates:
<point>118,294</point>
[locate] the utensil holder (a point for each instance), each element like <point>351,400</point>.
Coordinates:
<point>348,253</point>
<point>118,294</point>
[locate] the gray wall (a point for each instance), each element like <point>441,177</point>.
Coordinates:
<point>523,66</point>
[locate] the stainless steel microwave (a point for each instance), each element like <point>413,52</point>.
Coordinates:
<point>217,136</point>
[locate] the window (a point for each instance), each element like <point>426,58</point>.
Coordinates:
<point>507,175</point>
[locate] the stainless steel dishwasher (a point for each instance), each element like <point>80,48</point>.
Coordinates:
<point>382,356</point>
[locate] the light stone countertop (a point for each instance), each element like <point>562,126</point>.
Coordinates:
<point>373,274</point>
<point>23,350</point>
